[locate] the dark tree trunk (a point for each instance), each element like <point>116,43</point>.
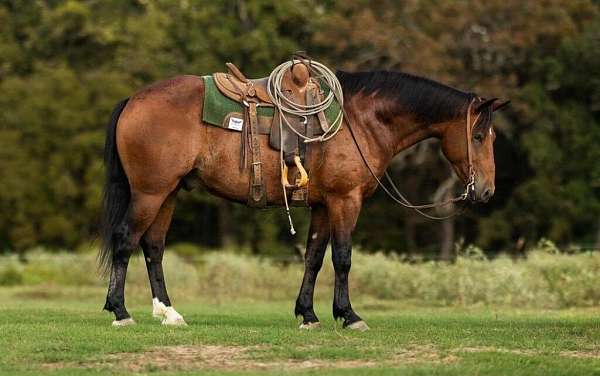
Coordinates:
<point>411,235</point>
<point>225,232</point>
<point>447,239</point>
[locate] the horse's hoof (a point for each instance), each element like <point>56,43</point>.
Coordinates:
<point>178,321</point>
<point>125,322</point>
<point>173,318</point>
<point>361,326</point>
<point>310,325</point>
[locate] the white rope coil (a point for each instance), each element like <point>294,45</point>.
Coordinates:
<point>288,107</point>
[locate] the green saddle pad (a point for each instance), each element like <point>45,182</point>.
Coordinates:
<point>217,106</point>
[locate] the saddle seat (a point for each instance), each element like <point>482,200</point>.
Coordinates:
<point>236,86</point>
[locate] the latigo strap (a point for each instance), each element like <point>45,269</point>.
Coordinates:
<point>257,196</point>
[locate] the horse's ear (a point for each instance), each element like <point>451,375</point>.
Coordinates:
<point>497,106</point>
<point>484,105</point>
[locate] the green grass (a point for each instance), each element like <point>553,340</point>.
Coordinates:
<point>537,316</point>
<point>61,330</point>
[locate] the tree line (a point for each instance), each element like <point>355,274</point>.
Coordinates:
<point>64,64</point>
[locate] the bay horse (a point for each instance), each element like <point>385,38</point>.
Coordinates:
<point>156,143</point>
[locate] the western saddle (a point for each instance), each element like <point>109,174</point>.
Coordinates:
<point>298,87</point>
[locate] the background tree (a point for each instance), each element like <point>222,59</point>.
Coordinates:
<point>65,63</point>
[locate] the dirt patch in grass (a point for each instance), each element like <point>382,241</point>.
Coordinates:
<point>588,354</point>
<point>181,358</point>
<point>216,357</point>
<point>203,357</point>
<point>485,349</point>
<point>594,354</point>
<point>421,354</point>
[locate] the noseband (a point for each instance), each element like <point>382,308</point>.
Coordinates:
<point>399,198</point>
<point>470,187</point>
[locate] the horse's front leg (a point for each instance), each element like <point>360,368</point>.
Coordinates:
<point>318,237</point>
<point>343,214</point>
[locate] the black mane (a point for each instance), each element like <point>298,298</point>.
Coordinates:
<point>428,100</point>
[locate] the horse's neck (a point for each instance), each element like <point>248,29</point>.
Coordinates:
<point>384,137</point>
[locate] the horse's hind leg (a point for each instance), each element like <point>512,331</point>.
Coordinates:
<point>140,214</point>
<point>153,244</point>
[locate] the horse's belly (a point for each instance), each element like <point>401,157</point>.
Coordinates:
<point>220,170</point>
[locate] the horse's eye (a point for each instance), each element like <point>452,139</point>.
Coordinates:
<point>478,137</point>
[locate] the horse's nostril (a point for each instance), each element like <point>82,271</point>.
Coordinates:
<point>487,194</point>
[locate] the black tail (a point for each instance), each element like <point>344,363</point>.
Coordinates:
<point>116,194</point>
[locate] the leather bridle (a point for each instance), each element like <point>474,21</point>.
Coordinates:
<point>401,199</point>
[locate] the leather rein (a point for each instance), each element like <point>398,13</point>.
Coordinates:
<point>399,198</point>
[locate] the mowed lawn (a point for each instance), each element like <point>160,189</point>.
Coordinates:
<point>64,332</point>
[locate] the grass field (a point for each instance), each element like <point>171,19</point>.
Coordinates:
<point>537,316</point>
<point>62,331</point>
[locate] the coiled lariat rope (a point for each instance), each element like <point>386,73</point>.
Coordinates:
<point>287,107</point>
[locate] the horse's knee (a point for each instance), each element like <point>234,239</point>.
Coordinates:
<point>342,261</point>
<point>313,263</point>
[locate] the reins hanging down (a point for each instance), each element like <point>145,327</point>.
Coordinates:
<point>401,199</point>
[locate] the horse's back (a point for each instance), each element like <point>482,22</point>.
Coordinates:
<point>179,91</point>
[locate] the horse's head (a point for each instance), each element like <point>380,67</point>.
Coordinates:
<point>474,163</point>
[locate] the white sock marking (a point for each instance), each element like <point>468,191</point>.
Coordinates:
<point>125,322</point>
<point>158,308</point>
<point>169,315</point>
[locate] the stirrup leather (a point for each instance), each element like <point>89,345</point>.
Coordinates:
<point>301,182</point>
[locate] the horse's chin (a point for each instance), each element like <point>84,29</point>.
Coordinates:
<point>472,196</point>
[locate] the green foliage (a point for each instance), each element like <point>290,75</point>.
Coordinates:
<point>10,275</point>
<point>546,279</point>
<point>65,63</point>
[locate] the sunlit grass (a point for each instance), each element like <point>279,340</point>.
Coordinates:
<point>538,316</point>
<point>68,334</point>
